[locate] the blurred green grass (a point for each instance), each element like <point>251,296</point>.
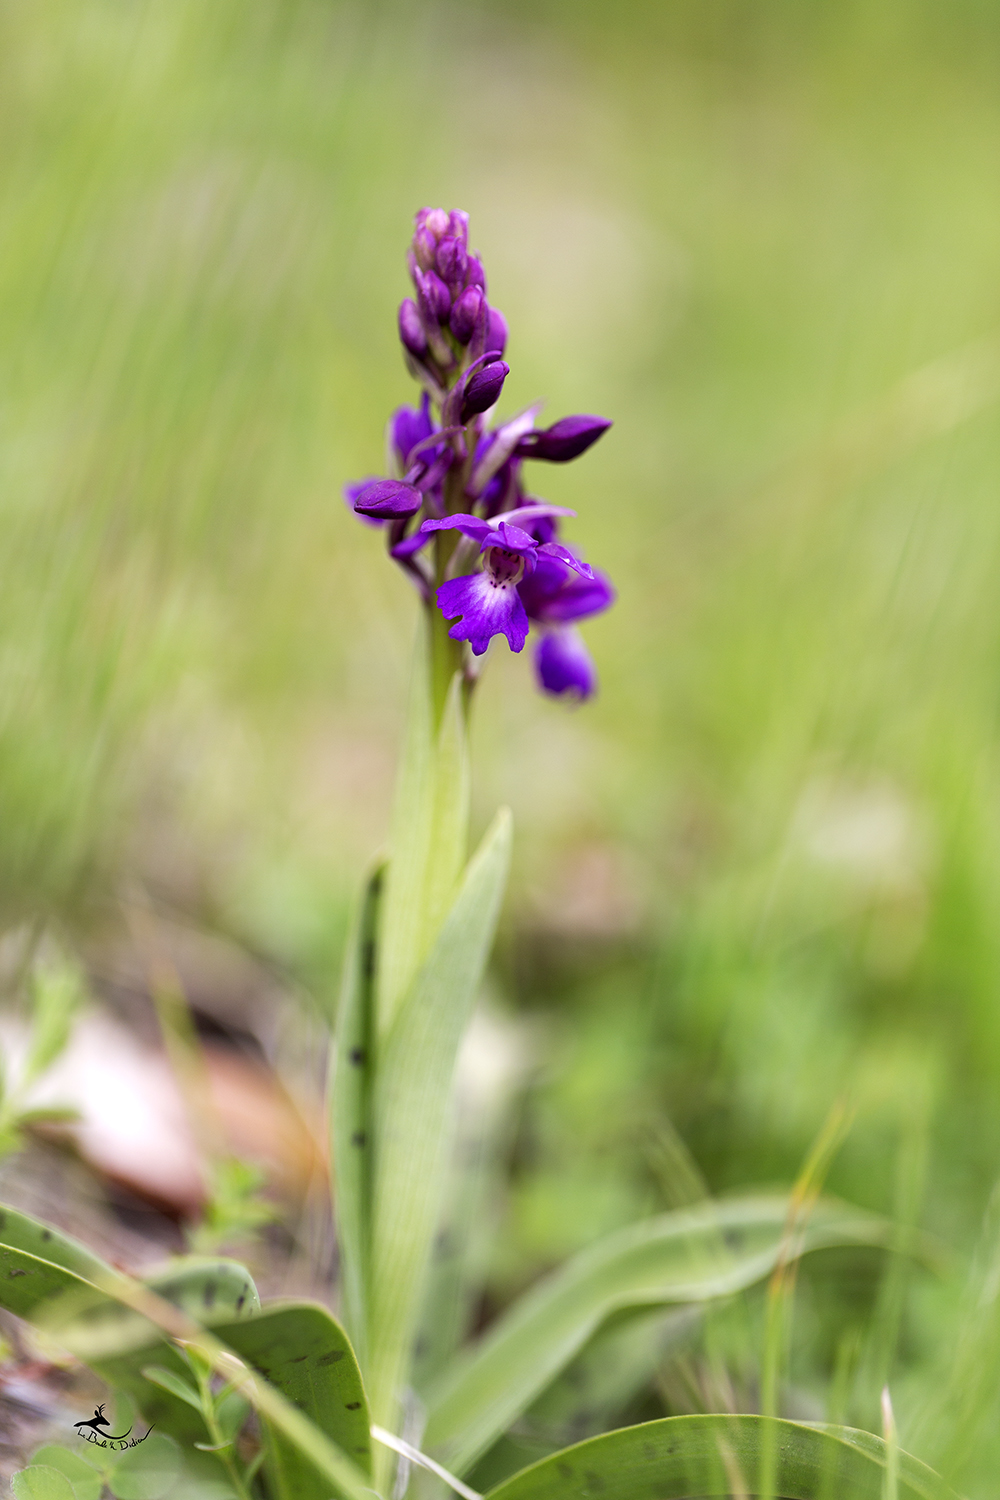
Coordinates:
<point>763,868</point>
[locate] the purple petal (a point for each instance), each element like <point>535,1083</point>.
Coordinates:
<point>482,390</point>
<point>388,500</point>
<point>475,275</point>
<point>564,665</point>
<point>470,526</point>
<point>553,594</point>
<point>410,545</point>
<point>556,549</point>
<point>434,220</point>
<point>452,262</point>
<point>496,334</point>
<point>536,512</point>
<point>565,439</point>
<point>411,329</point>
<point>485,608</point>
<point>351,493</point>
<point>433,297</point>
<point>409,426</point>
<point>465,312</point>
<point>511,539</point>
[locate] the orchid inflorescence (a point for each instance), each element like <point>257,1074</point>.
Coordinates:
<point>457,516</point>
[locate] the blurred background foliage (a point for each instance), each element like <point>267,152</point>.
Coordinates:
<point>762,871</point>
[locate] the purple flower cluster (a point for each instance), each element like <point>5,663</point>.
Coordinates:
<point>455,509</point>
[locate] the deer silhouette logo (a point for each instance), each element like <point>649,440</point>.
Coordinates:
<point>99,1420</point>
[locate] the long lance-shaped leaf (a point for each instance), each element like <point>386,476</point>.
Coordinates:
<point>692,1255</point>
<point>339,1473</point>
<point>413,1115</point>
<point>303,1351</point>
<point>720,1456</point>
<point>428,838</point>
<point>350,1109</point>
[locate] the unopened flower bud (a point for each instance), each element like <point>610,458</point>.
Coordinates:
<point>424,249</point>
<point>483,388</point>
<point>434,297</point>
<point>452,262</point>
<point>435,220</point>
<point>388,500</point>
<point>565,439</point>
<point>458,227</point>
<point>465,312</point>
<point>496,333</point>
<point>475,275</point>
<point>411,329</point>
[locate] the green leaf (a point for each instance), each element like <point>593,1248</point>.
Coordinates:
<point>429,834</point>
<point>413,1114</point>
<point>169,1381</point>
<point>146,1471</point>
<point>84,1476</point>
<point>41,1482</point>
<point>350,1108</point>
<point>38,1262</point>
<point>720,1456</point>
<point>56,991</point>
<point>118,1343</point>
<point>303,1351</point>
<point>690,1255</point>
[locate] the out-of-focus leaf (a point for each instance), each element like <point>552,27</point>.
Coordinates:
<point>350,1108</point>
<point>38,1263</point>
<point>84,1476</point>
<point>56,991</point>
<point>119,1343</point>
<point>708,1456</point>
<point>169,1381</point>
<point>412,1116</point>
<point>303,1351</point>
<point>146,1471</point>
<point>41,1482</point>
<point>690,1255</point>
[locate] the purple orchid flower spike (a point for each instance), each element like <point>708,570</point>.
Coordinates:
<point>485,555</point>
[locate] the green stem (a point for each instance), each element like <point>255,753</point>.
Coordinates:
<point>219,1442</point>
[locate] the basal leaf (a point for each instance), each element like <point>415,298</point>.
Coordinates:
<point>303,1351</point>
<point>38,1262</point>
<point>689,1256</point>
<point>413,1113</point>
<point>710,1456</point>
<point>118,1343</point>
<point>350,1108</point>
